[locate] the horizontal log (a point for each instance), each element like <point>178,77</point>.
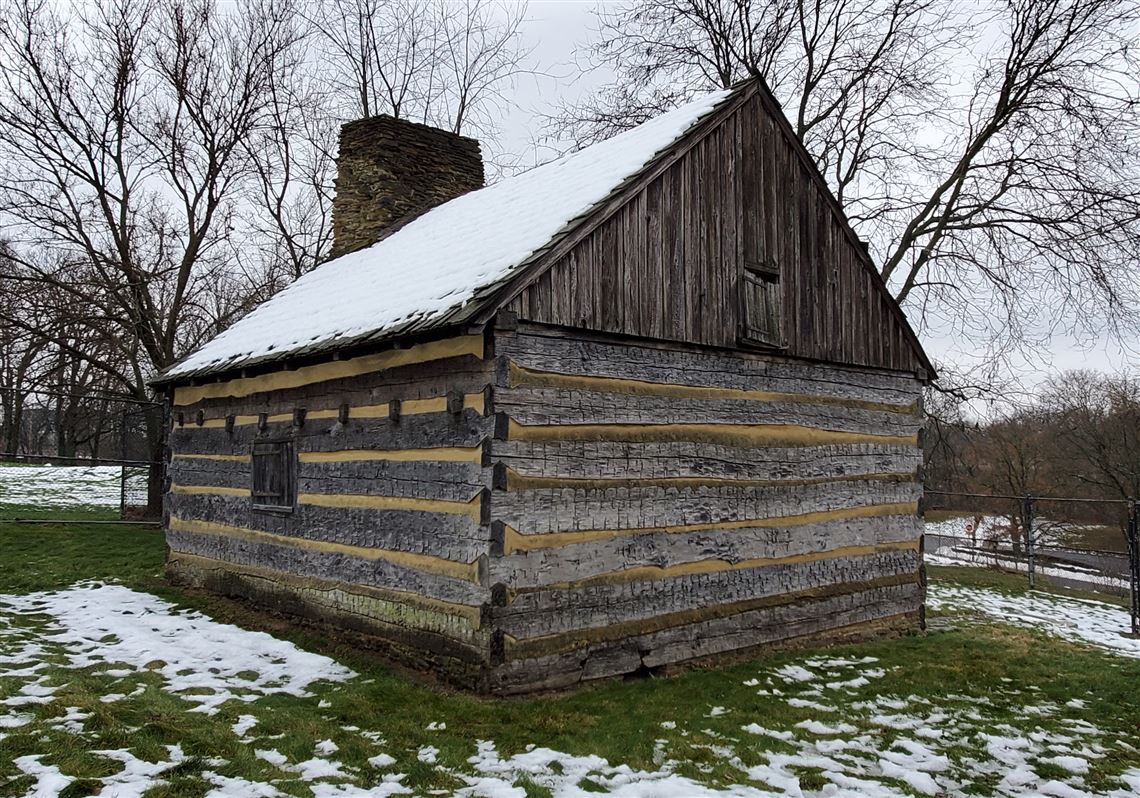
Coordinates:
<point>434,430</point>
<point>210,490</point>
<point>513,540</point>
<point>234,458</point>
<point>446,481</point>
<point>548,510</point>
<point>511,480</point>
<point>449,481</point>
<point>470,454</point>
<point>542,349</point>
<point>408,406</point>
<point>547,567</point>
<point>520,377</point>
<point>472,509</point>
<point>452,537</point>
<point>753,629</point>
<point>723,434</point>
<point>535,406</point>
<point>337,566</point>
<point>653,460</point>
<point>462,346</point>
<point>472,572</point>
<point>354,607</point>
<point>438,378</point>
<point>713,565</point>
<point>570,659</point>
<point>555,611</point>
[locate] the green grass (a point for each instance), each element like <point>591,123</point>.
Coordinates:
<point>45,556</point>
<point>619,721</point>
<point>24,512</point>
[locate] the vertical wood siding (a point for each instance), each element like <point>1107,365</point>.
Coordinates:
<point>668,264</point>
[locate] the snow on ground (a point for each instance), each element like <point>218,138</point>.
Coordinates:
<point>1074,619</point>
<point>901,746</point>
<point>858,737</point>
<point>204,662</point>
<point>65,486</point>
<point>950,542</point>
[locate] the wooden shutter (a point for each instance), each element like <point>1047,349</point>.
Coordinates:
<point>273,475</point>
<point>762,300</point>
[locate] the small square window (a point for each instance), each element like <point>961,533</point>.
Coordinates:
<point>273,476</point>
<point>762,299</point>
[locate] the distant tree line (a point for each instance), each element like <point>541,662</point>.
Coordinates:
<point>1078,437</point>
<point>166,165</point>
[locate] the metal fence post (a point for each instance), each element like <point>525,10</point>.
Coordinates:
<point>1133,535</point>
<point>1027,525</point>
<point>123,467</point>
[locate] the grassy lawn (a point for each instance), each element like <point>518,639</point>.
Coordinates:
<point>962,694</point>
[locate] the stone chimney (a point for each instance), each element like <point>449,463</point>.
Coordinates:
<point>391,170</point>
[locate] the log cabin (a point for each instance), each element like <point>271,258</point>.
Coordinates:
<point>644,405</point>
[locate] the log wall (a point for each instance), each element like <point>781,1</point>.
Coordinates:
<point>389,536</point>
<point>543,508</point>
<point>653,504</point>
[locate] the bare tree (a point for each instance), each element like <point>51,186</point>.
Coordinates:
<point>448,64</point>
<point>123,128</point>
<point>992,162</point>
<point>1095,423</point>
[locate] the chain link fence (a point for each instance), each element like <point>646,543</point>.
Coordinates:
<point>1071,542</point>
<point>80,457</point>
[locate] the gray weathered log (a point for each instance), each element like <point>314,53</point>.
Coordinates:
<point>569,509</point>
<point>540,567</point>
<point>555,611</point>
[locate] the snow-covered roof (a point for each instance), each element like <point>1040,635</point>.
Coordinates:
<point>423,272</point>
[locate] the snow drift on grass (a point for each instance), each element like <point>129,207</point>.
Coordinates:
<point>63,486</point>
<point>205,662</point>
<point>429,266</point>
<point>1079,620</point>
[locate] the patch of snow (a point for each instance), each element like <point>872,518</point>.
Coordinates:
<point>428,754</point>
<point>795,673</point>
<point>137,775</point>
<point>381,761</point>
<point>389,786</point>
<point>49,781</point>
<point>244,724</point>
<point>273,757</point>
<point>1073,764</point>
<point>201,660</point>
<point>815,727</point>
<point>65,486</point>
<point>317,768</point>
<point>233,787</point>
<point>1073,619</point>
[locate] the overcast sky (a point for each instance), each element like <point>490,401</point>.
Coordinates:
<point>560,30</point>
